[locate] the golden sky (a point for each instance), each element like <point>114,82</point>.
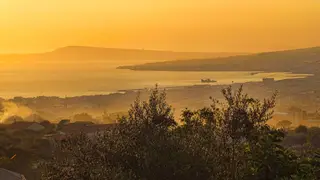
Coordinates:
<point>179,25</point>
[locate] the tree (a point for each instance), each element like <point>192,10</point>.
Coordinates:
<point>236,130</point>
<point>2,110</point>
<point>301,129</point>
<point>83,117</point>
<point>229,140</point>
<point>285,124</point>
<point>154,112</point>
<point>62,123</point>
<point>110,118</point>
<point>132,150</point>
<point>34,118</point>
<point>13,119</point>
<point>20,150</point>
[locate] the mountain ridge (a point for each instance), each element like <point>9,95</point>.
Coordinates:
<point>101,53</point>
<point>302,60</point>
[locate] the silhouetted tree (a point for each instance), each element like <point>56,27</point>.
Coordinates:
<point>62,123</point>
<point>284,124</point>
<point>83,117</point>
<point>301,129</point>
<point>229,140</point>
<point>13,119</point>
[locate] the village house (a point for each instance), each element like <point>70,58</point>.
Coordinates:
<point>76,128</point>
<point>25,125</point>
<point>268,80</point>
<point>298,117</point>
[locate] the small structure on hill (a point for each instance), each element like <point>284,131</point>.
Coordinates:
<point>268,80</point>
<point>76,128</point>
<point>285,124</point>
<point>13,119</point>
<point>24,125</point>
<point>83,117</point>
<point>208,81</point>
<point>36,127</point>
<point>64,122</point>
<point>34,118</point>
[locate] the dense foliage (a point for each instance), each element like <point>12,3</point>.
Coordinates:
<point>228,140</point>
<point>21,151</point>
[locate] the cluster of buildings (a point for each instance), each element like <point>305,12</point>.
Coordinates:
<point>297,117</point>
<point>24,125</point>
<point>56,132</point>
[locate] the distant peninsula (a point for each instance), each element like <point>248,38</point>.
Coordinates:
<point>305,60</point>
<point>86,53</point>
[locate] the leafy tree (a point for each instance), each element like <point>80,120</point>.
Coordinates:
<point>285,124</point>
<point>301,129</point>
<point>20,150</point>
<point>2,110</point>
<point>245,146</point>
<point>13,119</point>
<point>229,140</point>
<point>126,152</point>
<point>83,117</point>
<point>62,123</point>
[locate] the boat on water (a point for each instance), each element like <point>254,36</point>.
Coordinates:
<point>208,81</point>
<point>254,73</point>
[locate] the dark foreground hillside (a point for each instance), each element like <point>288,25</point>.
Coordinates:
<point>224,140</point>
<point>229,140</point>
<point>84,53</point>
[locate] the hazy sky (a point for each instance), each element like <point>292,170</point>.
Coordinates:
<point>180,25</point>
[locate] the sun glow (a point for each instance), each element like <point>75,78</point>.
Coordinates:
<point>188,25</point>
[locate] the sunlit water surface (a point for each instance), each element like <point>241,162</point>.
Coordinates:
<point>84,78</point>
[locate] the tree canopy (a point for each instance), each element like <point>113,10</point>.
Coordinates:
<point>229,140</point>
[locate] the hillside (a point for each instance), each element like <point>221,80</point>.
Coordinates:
<point>300,61</point>
<point>82,53</point>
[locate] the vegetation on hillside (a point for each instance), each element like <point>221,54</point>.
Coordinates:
<point>228,140</point>
<point>21,151</point>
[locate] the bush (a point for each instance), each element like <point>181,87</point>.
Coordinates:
<point>301,129</point>
<point>284,124</point>
<point>298,139</point>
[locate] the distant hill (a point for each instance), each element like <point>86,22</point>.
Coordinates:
<point>83,53</point>
<point>300,60</point>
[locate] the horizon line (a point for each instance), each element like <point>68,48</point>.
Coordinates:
<point>145,49</point>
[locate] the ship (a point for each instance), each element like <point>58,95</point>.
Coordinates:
<point>208,81</point>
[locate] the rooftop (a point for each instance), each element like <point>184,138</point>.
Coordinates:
<point>74,128</point>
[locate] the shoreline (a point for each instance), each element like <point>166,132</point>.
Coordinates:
<point>256,78</point>
<point>168,88</point>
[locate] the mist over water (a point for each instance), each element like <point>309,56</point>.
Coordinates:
<point>12,109</point>
<point>62,79</point>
